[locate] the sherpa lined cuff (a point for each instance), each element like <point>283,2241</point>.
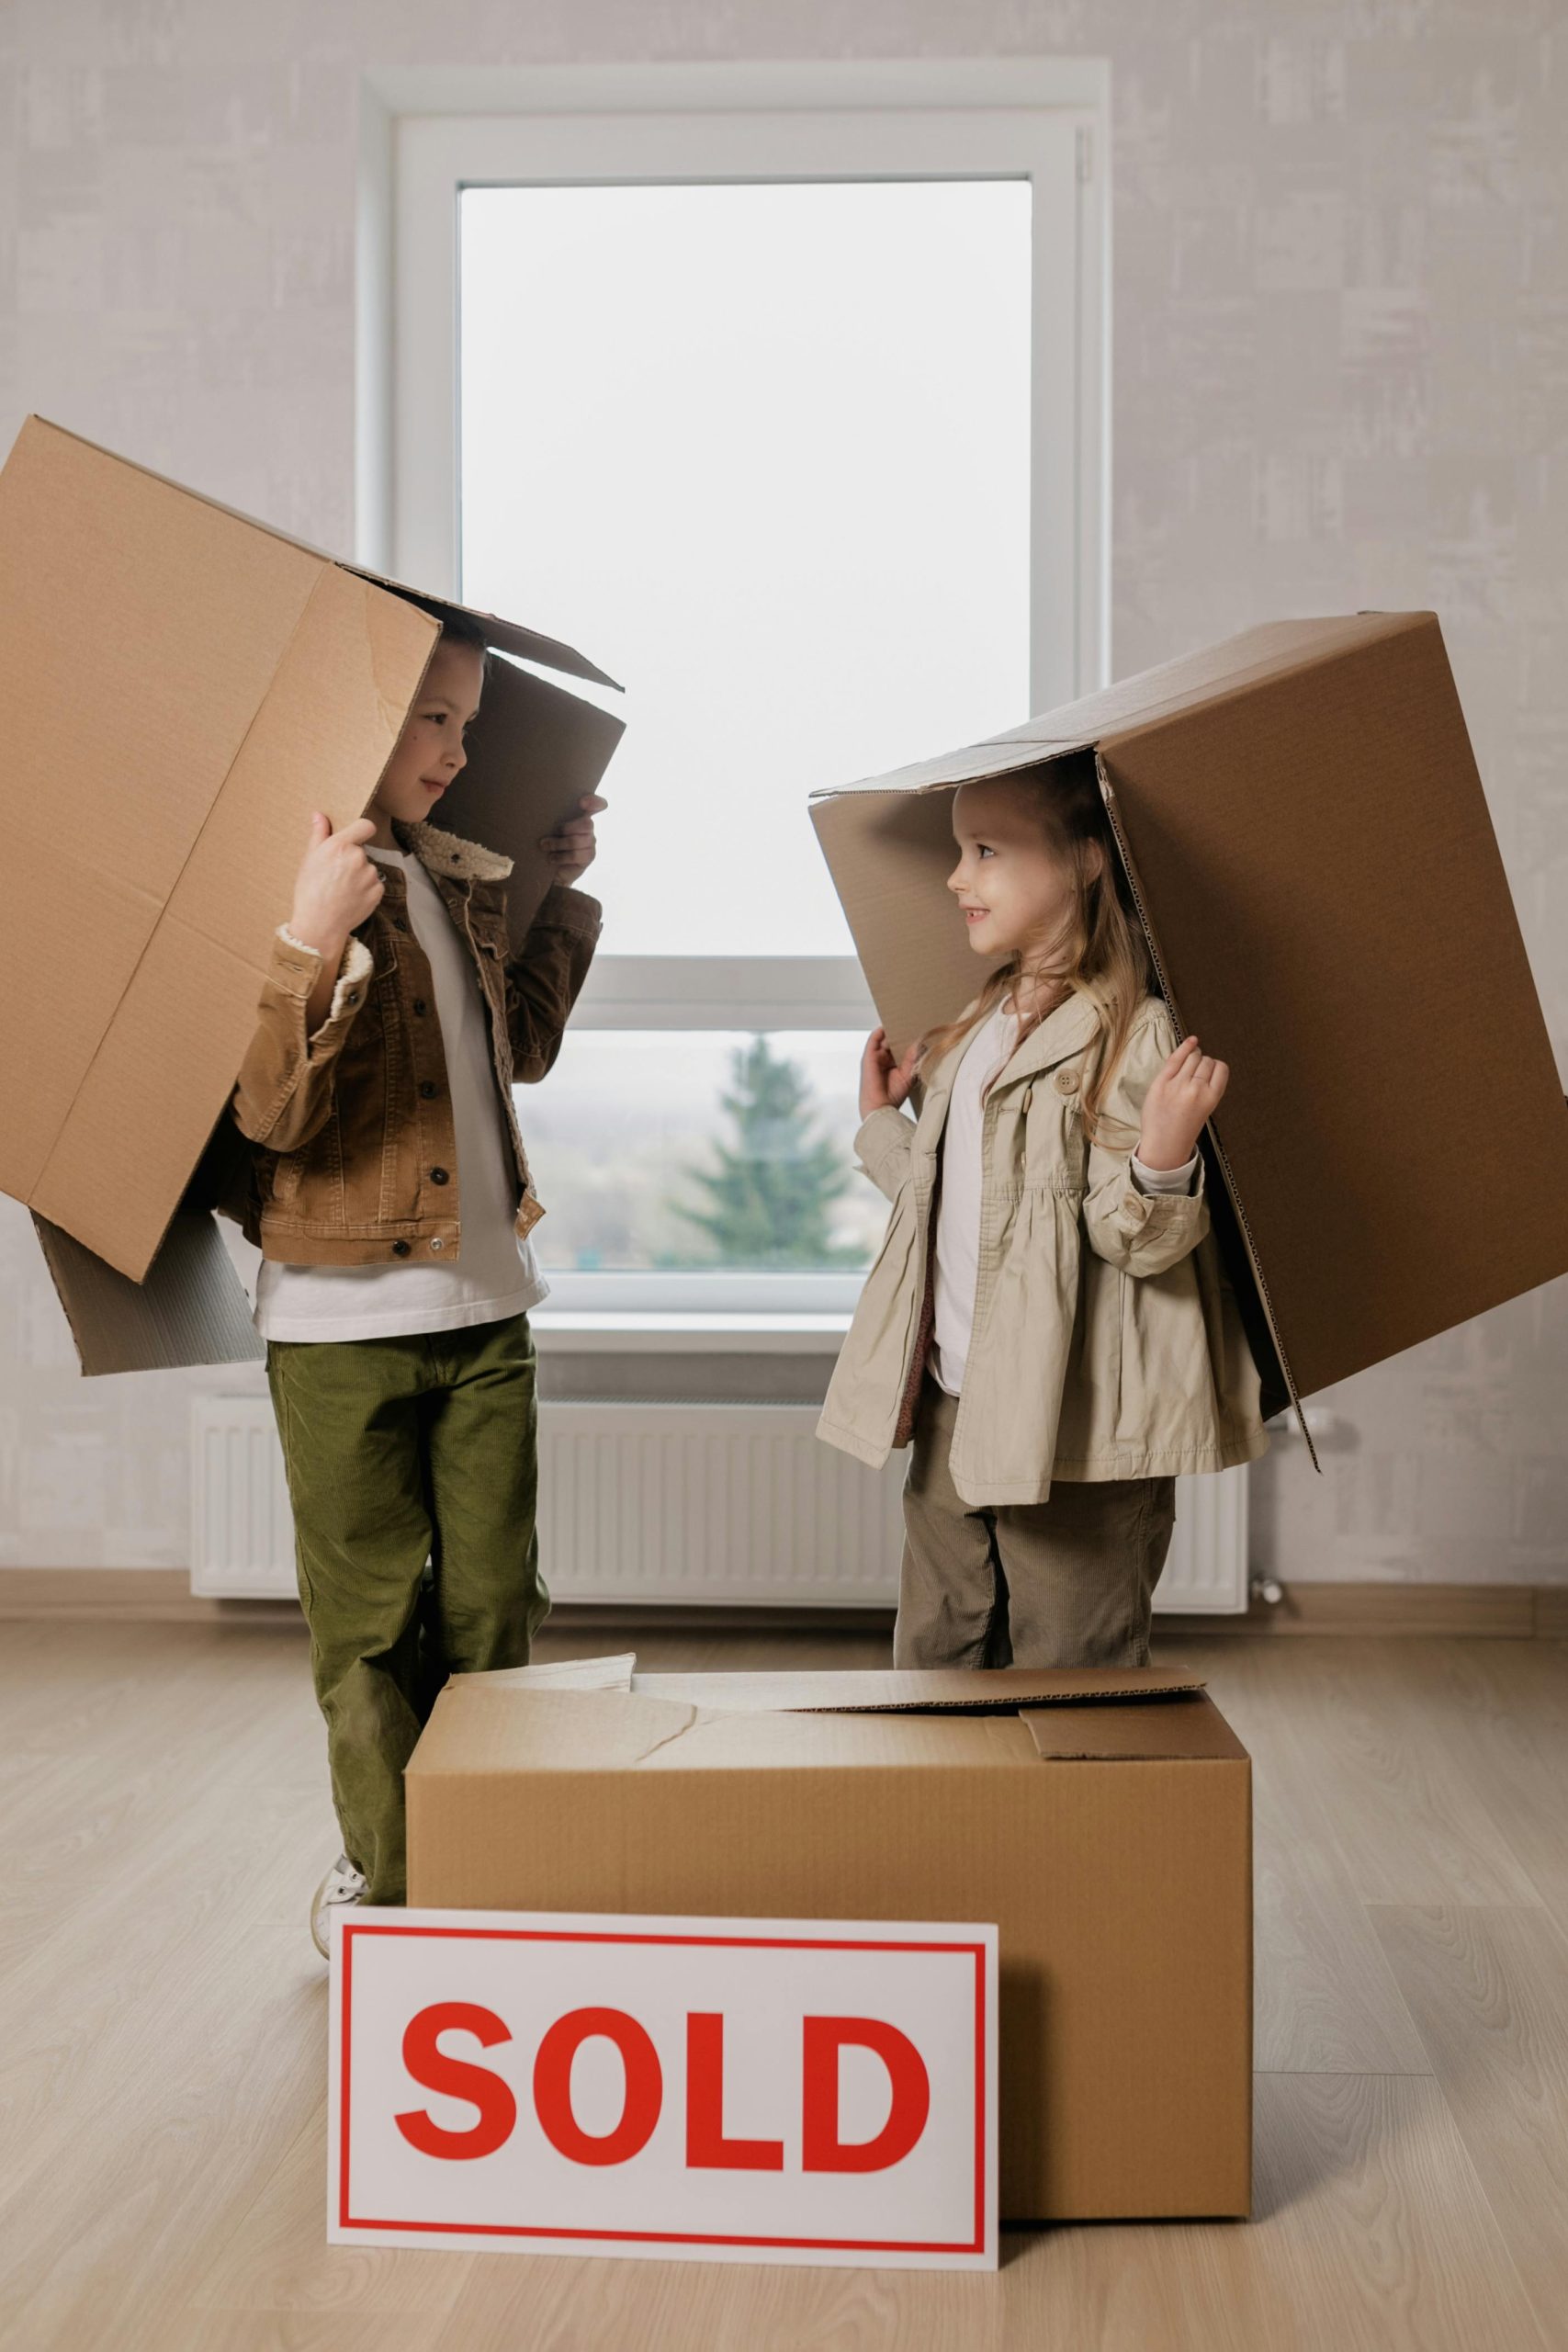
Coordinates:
<point>353,972</point>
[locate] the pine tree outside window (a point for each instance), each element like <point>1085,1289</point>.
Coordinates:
<point>769,1198</point>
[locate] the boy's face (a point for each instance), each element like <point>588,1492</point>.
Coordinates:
<point>429,752</point>
<point>1014,893</point>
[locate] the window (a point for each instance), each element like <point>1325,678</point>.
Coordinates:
<point>741,1166</point>
<point>755,474</point>
<point>790,419</point>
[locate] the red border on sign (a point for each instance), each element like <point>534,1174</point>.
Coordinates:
<point>668,2237</point>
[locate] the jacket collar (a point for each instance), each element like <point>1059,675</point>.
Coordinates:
<point>1066,1029</point>
<point>448,856</point>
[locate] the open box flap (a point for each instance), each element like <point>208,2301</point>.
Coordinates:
<point>1261,833</point>
<point>191,1308</point>
<point>1189,1725</point>
<point>506,637</point>
<point>946,1691</point>
<point>559,1674</point>
<point>95,553</point>
<point>538,1720</point>
<point>478,1727</point>
<point>510,637</point>
<point>533,752</point>
<point>957,1691</point>
<point>157,1073</point>
<point>994,1691</point>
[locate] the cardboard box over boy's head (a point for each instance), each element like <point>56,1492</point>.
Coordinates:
<point>1306,842</point>
<point>180,686</point>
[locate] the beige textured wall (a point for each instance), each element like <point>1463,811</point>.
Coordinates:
<point>1341,379</point>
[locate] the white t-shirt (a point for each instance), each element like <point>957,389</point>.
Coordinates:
<point>958,1204</point>
<point>958,1207</point>
<point>496,1273</point>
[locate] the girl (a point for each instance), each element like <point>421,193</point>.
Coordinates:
<point>1047,1320</point>
<point>390,1197</point>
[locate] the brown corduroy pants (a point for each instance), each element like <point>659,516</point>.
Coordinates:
<point>1066,1582</point>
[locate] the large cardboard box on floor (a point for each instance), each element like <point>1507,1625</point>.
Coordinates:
<point>1100,1819</point>
<point>179,687</point>
<point>1307,843</point>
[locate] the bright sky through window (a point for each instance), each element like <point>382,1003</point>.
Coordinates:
<point>764,452</point>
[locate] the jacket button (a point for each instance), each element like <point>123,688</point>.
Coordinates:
<point>400,1248</point>
<point>438,1243</point>
<point>352,998</point>
<point>1066,1081</point>
<point>418,1005</point>
<point>427,1089</point>
<point>398,924</point>
<point>438,1176</point>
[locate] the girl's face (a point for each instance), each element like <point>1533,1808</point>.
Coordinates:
<point>1015,894</point>
<point>429,752</point>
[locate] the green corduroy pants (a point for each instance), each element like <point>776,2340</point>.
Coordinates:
<point>401,1452</point>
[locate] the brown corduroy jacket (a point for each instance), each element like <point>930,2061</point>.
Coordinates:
<point>354,1157</point>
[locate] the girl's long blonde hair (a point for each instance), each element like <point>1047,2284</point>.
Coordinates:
<point>1101,952</point>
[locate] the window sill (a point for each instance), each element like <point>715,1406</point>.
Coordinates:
<point>568,1333</point>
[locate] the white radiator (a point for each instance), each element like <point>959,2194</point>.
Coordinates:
<point>242,1529</point>
<point>722,1504</point>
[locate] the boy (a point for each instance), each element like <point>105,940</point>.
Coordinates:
<point>391,1199</point>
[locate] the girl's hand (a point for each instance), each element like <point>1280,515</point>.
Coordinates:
<point>884,1083</point>
<point>336,887</point>
<point>1183,1098</point>
<point>572,851</point>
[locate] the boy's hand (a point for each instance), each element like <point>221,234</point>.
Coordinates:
<point>884,1083</point>
<point>1182,1099</point>
<point>572,851</point>
<point>336,887</point>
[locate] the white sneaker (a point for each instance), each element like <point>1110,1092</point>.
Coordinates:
<point>341,1886</point>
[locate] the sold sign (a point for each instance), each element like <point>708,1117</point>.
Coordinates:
<point>718,2089</point>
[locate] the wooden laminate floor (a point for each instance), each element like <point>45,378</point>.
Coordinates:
<point>164,1817</point>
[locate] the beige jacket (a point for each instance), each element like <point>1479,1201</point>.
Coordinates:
<point>1107,1341</point>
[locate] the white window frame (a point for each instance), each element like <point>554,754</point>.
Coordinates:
<point>426,137</point>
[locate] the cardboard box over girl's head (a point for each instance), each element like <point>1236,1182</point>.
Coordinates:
<point>1304,838</point>
<point>180,686</point>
